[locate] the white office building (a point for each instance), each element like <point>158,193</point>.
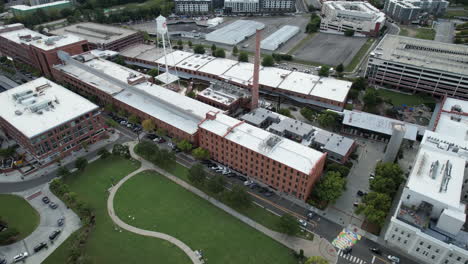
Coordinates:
<point>405,11</point>
<point>192,6</point>
<point>430,221</point>
<point>362,17</point>
<point>242,6</point>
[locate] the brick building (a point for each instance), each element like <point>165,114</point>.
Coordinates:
<point>224,96</point>
<point>278,162</point>
<point>35,49</point>
<point>104,37</point>
<point>48,120</point>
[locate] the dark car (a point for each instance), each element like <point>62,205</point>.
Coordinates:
<point>361,193</point>
<point>54,234</point>
<point>41,246</point>
<point>231,174</point>
<point>242,178</point>
<point>268,193</point>
<point>2,261</point>
<point>53,205</point>
<point>347,250</point>
<point>376,250</point>
<point>263,190</point>
<point>162,140</point>
<point>254,186</point>
<point>45,199</point>
<point>151,136</point>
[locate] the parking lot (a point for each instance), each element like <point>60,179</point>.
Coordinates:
<point>48,224</point>
<point>330,49</point>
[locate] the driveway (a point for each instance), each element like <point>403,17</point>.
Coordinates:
<point>444,31</point>
<point>48,223</point>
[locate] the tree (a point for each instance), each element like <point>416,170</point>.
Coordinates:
<point>199,49</point>
<point>349,32</point>
<point>134,119</point>
<point>324,71</point>
<point>153,72</point>
<point>161,132</point>
<point>353,94</point>
<point>328,119</point>
<point>307,113</point>
<point>268,61</point>
<point>314,24</point>
<point>191,94</point>
<point>201,153</point>
<point>316,260</point>
<point>216,184</point>
<point>359,84</point>
<point>63,171</point>
<point>190,44</point>
<point>375,207</point>
<point>243,56</point>
<point>196,174</point>
<point>213,48</point>
<point>180,43</point>
<point>184,145</point>
<point>110,108</point>
<point>122,113</point>
<point>220,53</point>
<point>370,97</point>
<point>148,125</point>
<point>343,170</point>
<point>121,150</point>
<point>340,68</point>
<point>288,224</point>
<point>103,152</point>
<point>285,112</point>
<point>235,50</point>
<point>388,177</point>
<point>238,197</point>
<point>81,163</point>
<point>330,187</point>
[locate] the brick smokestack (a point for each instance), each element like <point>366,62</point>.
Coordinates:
<point>254,90</point>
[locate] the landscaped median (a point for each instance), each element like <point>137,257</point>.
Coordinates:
<point>17,218</point>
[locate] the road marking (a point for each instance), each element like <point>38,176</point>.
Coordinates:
<point>373,259</point>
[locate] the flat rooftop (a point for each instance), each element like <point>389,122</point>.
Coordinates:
<point>26,7</point>
<point>429,54</point>
<point>242,73</point>
<point>285,151</point>
<point>454,123</point>
<point>432,176</point>
<point>333,142</point>
<point>224,93</point>
<point>40,105</point>
<point>29,37</point>
<point>95,33</point>
<point>235,32</point>
<point>376,123</point>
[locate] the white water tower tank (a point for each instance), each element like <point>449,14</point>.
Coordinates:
<point>161,26</point>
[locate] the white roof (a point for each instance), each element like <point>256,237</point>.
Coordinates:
<point>26,7</point>
<point>273,41</point>
<point>377,123</point>
<point>195,62</point>
<point>287,152</point>
<point>448,123</point>
<point>174,58</point>
<point>299,82</point>
<point>39,40</point>
<point>271,76</point>
<point>235,32</point>
<point>240,73</point>
<point>57,104</point>
<point>420,179</point>
<point>170,107</point>
<point>218,66</point>
<point>331,88</point>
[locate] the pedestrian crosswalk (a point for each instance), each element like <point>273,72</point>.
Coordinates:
<point>351,258</point>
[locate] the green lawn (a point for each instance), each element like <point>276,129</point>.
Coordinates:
<point>426,33</point>
<point>18,214</point>
<point>161,205</point>
<point>106,245</point>
<point>398,99</point>
<point>454,13</point>
<point>357,58</point>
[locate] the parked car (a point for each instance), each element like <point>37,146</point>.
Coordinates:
<point>161,140</point>
<point>268,193</point>
<point>242,178</point>
<point>40,246</point>
<point>55,234</point>
<point>20,257</point>
<point>360,193</point>
<point>53,205</point>
<point>45,199</point>
<point>253,186</point>
<point>61,221</point>
<point>355,204</point>
<point>375,250</point>
<point>151,136</point>
<point>263,190</point>
<point>393,259</point>
<point>302,222</point>
<point>248,182</point>
<point>231,174</point>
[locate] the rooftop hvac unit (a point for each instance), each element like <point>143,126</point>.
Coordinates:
<point>18,112</point>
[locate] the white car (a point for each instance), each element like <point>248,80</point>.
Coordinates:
<point>302,222</point>
<point>393,259</point>
<point>20,257</point>
<point>248,182</point>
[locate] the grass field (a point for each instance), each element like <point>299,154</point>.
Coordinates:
<point>399,99</point>
<point>106,245</point>
<point>421,33</point>
<point>357,58</point>
<point>161,205</point>
<point>17,213</point>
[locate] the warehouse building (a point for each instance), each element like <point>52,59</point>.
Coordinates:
<point>279,37</point>
<point>235,32</point>
<point>192,7</point>
<point>419,65</point>
<point>224,96</point>
<point>406,11</point>
<point>361,17</point>
<point>48,120</point>
<point>35,49</point>
<point>100,36</point>
<point>430,222</point>
<point>303,88</point>
<point>284,165</point>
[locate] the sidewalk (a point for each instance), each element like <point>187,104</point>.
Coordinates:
<point>318,247</point>
<point>17,176</point>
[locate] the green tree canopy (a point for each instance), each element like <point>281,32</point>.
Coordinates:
<point>238,197</point>
<point>201,153</point>
<point>243,56</point>
<point>359,84</point>
<point>63,171</point>
<point>199,49</point>
<point>148,125</point>
<point>288,224</point>
<point>349,32</point>
<point>220,53</point>
<point>196,174</point>
<point>268,61</point>
<point>216,184</point>
<point>324,71</point>
<point>328,119</point>
<point>235,50</point>
<point>285,112</point>
<point>184,145</point>
<point>340,68</point>
<point>330,187</point>
<point>388,177</point>
<point>81,163</point>
<point>370,97</point>
<point>153,72</point>
<point>134,119</point>
<point>375,207</point>
<point>213,48</point>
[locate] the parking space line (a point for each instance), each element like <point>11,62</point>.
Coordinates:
<point>373,259</point>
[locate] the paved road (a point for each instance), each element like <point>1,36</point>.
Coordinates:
<point>444,31</point>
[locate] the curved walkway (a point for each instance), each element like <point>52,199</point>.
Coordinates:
<point>122,224</point>
<point>311,248</point>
